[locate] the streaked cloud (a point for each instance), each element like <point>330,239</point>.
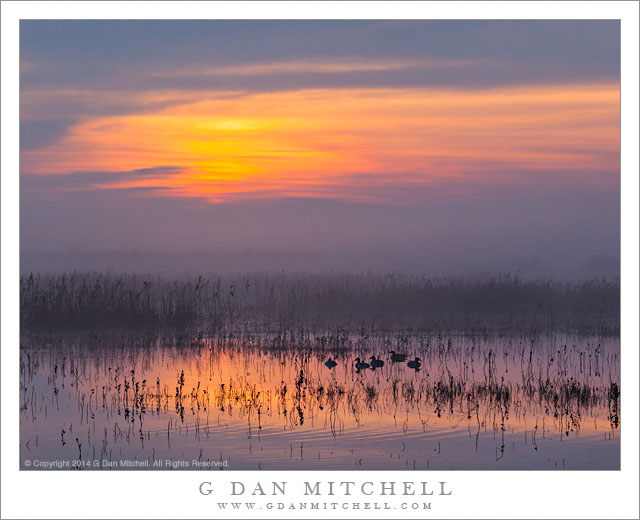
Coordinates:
<point>80,181</point>
<point>119,55</point>
<point>317,142</point>
<point>317,66</point>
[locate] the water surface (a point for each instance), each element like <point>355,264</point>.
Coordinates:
<point>269,402</point>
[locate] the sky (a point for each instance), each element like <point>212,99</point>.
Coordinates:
<point>437,147</point>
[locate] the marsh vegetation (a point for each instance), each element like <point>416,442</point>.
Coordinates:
<point>319,303</point>
<point>304,372</point>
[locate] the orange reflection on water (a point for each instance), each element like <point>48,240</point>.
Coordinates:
<point>472,405</point>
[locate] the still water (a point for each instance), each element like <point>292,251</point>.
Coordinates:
<point>271,403</point>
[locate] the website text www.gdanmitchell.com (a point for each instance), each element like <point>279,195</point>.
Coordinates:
<point>324,505</point>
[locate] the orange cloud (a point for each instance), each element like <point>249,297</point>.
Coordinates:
<point>317,142</point>
<point>320,66</point>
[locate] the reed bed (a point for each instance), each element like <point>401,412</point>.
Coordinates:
<point>331,302</point>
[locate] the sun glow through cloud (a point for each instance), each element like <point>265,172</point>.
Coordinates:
<point>321,143</point>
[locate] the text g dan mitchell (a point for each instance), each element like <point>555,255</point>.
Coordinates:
<point>329,488</point>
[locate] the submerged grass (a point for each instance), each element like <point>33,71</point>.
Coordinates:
<point>332,302</point>
<point>134,383</point>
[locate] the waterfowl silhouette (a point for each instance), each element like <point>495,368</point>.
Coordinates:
<point>415,364</point>
<point>361,365</point>
<point>330,363</point>
<point>397,358</point>
<point>376,363</point>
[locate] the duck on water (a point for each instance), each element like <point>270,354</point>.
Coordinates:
<point>397,358</point>
<point>376,363</point>
<point>361,365</point>
<point>415,364</point>
<point>330,363</point>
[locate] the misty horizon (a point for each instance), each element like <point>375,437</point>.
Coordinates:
<point>536,236</point>
<point>177,265</point>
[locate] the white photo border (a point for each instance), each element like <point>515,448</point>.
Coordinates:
<point>476,494</point>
